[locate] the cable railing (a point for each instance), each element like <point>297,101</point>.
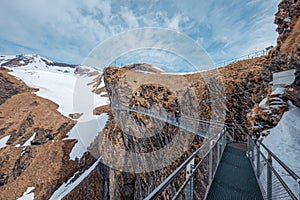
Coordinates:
<point>191,124</point>
<point>192,179</point>
<point>274,177</point>
<point>222,63</point>
<point>248,56</point>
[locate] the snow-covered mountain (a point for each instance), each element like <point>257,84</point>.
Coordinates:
<point>55,81</point>
<point>71,87</point>
<point>74,89</point>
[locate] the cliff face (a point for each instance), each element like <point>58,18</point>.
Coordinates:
<point>125,141</point>
<point>286,55</point>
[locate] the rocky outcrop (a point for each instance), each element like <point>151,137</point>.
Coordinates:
<point>286,18</point>
<point>244,89</point>
<point>286,55</point>
<point>267,114</point>
<point>19,60</point>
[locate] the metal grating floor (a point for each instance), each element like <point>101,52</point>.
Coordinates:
<point>234,178</point>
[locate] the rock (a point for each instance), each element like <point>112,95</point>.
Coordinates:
<point>42,136</point>
<point>75,115</point>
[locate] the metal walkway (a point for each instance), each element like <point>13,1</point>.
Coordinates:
<point>235,178</point>
<point>222,169</point>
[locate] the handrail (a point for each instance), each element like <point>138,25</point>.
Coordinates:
<point>284,166</point>
<point>247,56</point>
<point>194,171</point>
<point>191,175</point>
<point>276,174</point>
<point>158,190</point>
<point>270,166</point>
<point>154,115</point>
<point>224,62</point>
<point>210,122</point>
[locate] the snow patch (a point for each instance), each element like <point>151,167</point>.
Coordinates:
<point>28,142</point>
<point>284,141</point>
<point>263,103</point>
<point>102,84</point>
<point>279,90</point>
<point>23,152</point>
<point>67,187</point>
<point>3,141</point>
<point>28,195</point>
<point>85,133</point>
<point>57,87</point>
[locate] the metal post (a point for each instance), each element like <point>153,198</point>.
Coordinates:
<point>224,138</point>
<point>190,186</point>
<point>248,147</point>
<point>258,161</point>
<point>269,178</point>
<point>218,148</point>
<point>252,151</point>
<point>210,163</point>
<point>298,188</point>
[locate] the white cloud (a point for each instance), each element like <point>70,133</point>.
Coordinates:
<point>129,17</point>
<point>68,30</point>
<point>242,31</point>
<point>175,21</point>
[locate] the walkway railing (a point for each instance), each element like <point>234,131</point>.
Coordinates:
<point>194,176</point>
<point>244,57</point>
<point>276,180</point>
<point>196,126</point>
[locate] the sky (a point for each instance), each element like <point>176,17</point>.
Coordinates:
<point>68,30</point>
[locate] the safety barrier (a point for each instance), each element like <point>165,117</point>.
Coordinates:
<point>276,180</point>
<point>244,57</point>
<point>192,179</point>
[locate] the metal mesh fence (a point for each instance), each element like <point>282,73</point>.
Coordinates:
<point>269,173</point>
<point>194,178</point>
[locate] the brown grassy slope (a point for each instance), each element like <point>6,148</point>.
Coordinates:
<point>10,86</point>
<point>291,46</point>
<point>45,164</point>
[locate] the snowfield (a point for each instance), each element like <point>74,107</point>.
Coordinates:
<point>284,141</point>
<point>57,87</point>
<point>71,91</point>
<point>85,133</point>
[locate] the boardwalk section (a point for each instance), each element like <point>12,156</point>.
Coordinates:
<point>235,178</point>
